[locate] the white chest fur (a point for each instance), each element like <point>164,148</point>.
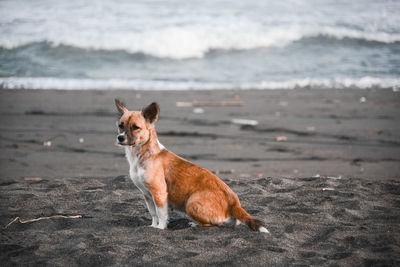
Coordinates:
<point>136,170</point>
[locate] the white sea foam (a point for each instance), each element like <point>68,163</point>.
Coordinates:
<point>115,84</point>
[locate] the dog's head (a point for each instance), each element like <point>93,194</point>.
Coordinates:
<point>134,126</point>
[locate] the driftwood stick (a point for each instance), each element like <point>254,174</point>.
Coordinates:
<point>210,104</point>
<point>18,219</point>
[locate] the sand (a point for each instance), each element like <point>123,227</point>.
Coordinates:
<point>328,192</point>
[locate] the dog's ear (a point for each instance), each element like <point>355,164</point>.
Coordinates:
<point>150,113</point>
<point>120,107</point>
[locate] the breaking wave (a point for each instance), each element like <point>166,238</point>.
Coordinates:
<point>194,41</point>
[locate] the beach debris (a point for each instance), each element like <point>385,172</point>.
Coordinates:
<point>18,219</point>
<point>198,111</point>
<point>317,175</point>
<point>244,122</point>
<point>224,171</point>
<point>237,97</point>
<point>287,171</point>
<point>81,140</point>
<point>375,132</point>
<point>47,143</point>
<point>260,175</point>
<point>244,175</point>
<point>283,103</point>
<point>328,189</point>
<point>281,138</point>
<point>334,177</point>
<point>310,128</point>
<point>210,104</point>
<point>33,179</point>
<point>356,162</point>
<point>363,100</point>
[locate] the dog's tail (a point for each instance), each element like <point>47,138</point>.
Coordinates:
<point>246,218</point>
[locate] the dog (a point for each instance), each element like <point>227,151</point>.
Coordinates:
<point>167,180</point>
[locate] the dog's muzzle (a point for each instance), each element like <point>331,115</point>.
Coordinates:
<point>121,138</point>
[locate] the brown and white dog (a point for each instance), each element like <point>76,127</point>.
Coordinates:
<point>166,179</point>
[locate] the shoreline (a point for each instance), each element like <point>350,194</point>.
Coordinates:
<point>307,83</point>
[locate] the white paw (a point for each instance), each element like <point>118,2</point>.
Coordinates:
<point>262,229</point>
<point>154,222</point>
<point>161,226</point>
<point>192,224</point>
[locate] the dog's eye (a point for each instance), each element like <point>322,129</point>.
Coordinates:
<point>121,125</point>
<point>135,127</point>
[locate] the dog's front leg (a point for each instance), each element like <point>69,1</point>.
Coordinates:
<point>158,189</point>
<point>162,213</point>
<point>152,209</point>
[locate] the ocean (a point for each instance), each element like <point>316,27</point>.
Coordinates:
<point>207,44</point>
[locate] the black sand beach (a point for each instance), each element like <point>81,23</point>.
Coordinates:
<point>328,191</point>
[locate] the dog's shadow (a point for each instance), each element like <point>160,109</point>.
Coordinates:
<point>175,224</point>
<point>179,224</point>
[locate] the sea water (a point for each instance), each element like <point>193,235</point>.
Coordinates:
<point>205,44</point>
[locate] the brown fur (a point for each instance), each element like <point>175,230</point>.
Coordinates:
<point>178,182</point>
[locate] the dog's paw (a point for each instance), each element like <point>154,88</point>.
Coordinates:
<point>162,224</point>
<point>154,222</point>
<point>262,229</point>
<point>193,224</point>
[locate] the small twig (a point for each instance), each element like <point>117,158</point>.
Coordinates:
<point>43,218</point>
<point>210,104</point>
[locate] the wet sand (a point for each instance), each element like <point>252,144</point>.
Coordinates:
<point>329,192</point>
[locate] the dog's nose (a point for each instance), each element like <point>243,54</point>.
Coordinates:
<point>121,138</point>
